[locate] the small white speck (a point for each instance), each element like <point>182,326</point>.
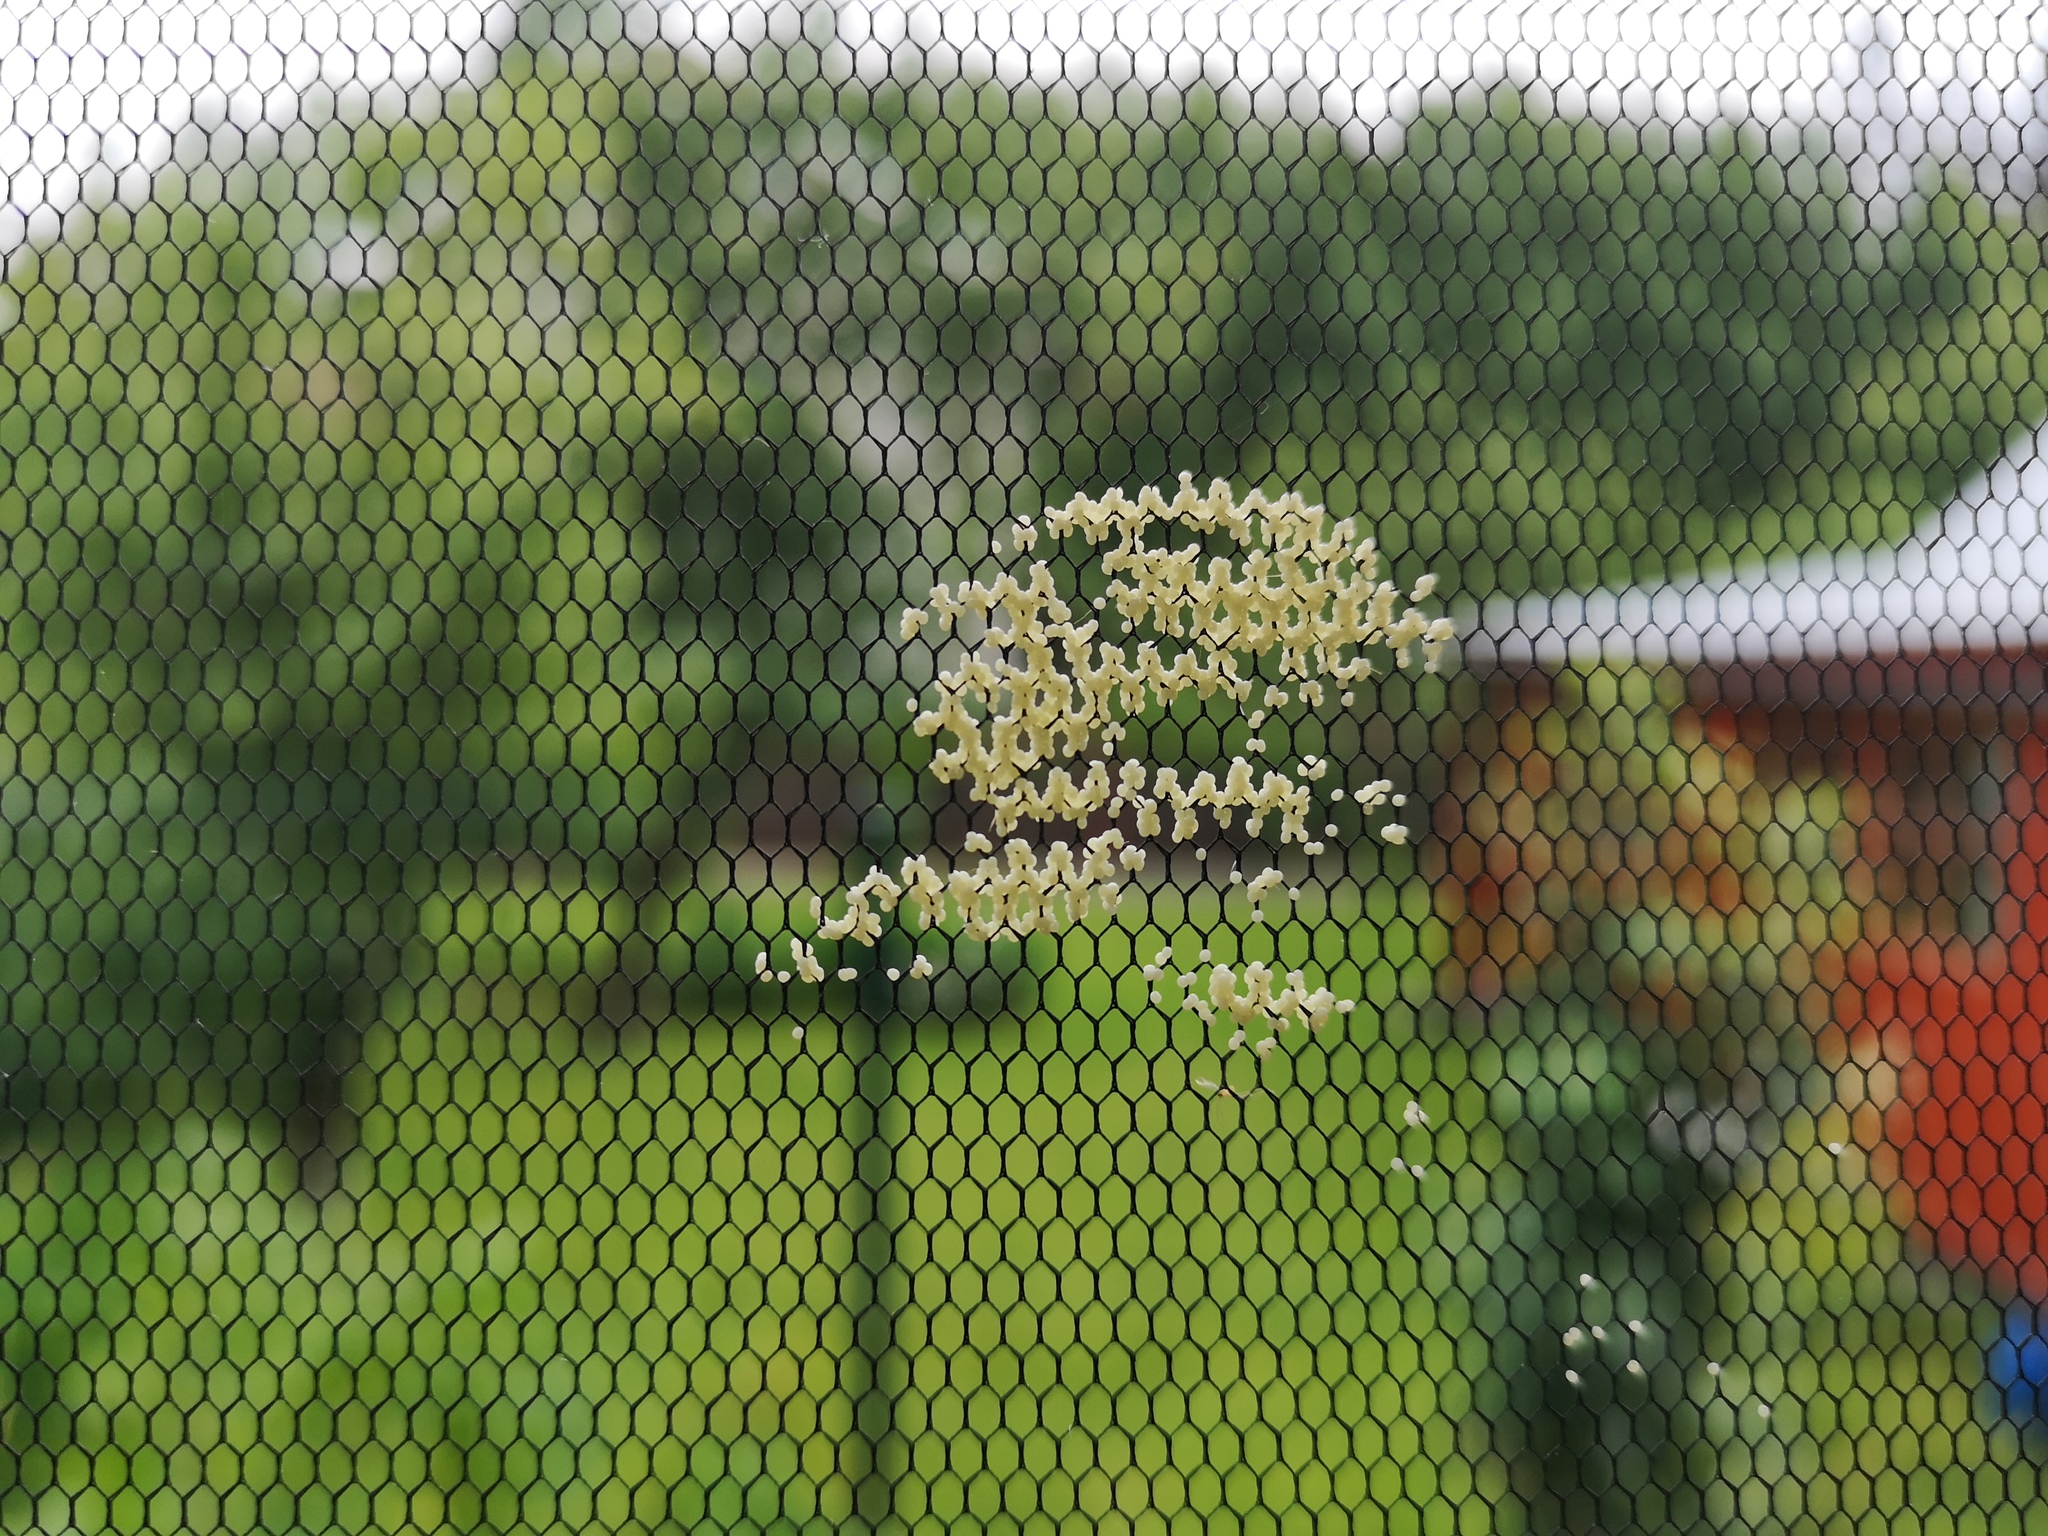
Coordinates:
<point>1585,1281</point>
<point>1346,1006</point>
<point>1204,954</point>
<point>1346,699</point>
<point>1311,847</point>
<point>1835,1147</point>
<point>1572,1336</point>
<point>1237,877</point>
<point>1635,1325</point>
<point>1265,1047</point>
<point>1417,1170</point>
<point>1636,1366</point>
<point>1255,745</point>
<point>1399,1166</point>
<point>1330,829</point>
<point>782,976</point>
<point>1204,1084</point>
<point>796,1032</point>
<point>1100,604</point>
<point>895,974</point>
<point>1399,801</point>
<point>1158,998</point>
<point>1762,1412</point>
<point>1258,718</point>
<point>1714,1369</point>
<point>1201,853</point>
<point>1151,973</point>
<point>848,973</point>
<point>1599,1333</point>
<point>1294,893</point>
<point>1336,795</point>
<point>1572,1377</point>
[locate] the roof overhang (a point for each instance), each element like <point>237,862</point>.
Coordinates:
<point>1974,585</point>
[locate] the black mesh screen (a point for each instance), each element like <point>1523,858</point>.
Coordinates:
<point>463,478</point>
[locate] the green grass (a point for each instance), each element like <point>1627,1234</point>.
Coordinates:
<point>641,1283</point>
<point>1011,1273</point>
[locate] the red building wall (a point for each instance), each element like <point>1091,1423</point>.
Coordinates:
<point>1964,1028</point>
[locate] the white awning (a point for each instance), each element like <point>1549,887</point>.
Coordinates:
<point>1974,581</point>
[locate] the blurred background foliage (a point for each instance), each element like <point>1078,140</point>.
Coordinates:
<point>448,597</point>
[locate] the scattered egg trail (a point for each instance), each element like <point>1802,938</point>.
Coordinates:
<point>1414,1117</point>
<point>1586,1335</point>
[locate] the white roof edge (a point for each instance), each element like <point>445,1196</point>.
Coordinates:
<point>1975,580</point>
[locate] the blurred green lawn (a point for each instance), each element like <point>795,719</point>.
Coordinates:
<point>565,1277</point>
<point>639,1282</point>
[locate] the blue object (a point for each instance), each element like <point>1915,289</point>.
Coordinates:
<point>2018,1363</point>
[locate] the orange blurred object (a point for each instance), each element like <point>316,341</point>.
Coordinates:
<point>1964,1025</point>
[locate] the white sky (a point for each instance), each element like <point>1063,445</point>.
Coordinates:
<point>97,95</point>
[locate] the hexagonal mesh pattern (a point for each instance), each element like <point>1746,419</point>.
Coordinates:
<point>462,472</point>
